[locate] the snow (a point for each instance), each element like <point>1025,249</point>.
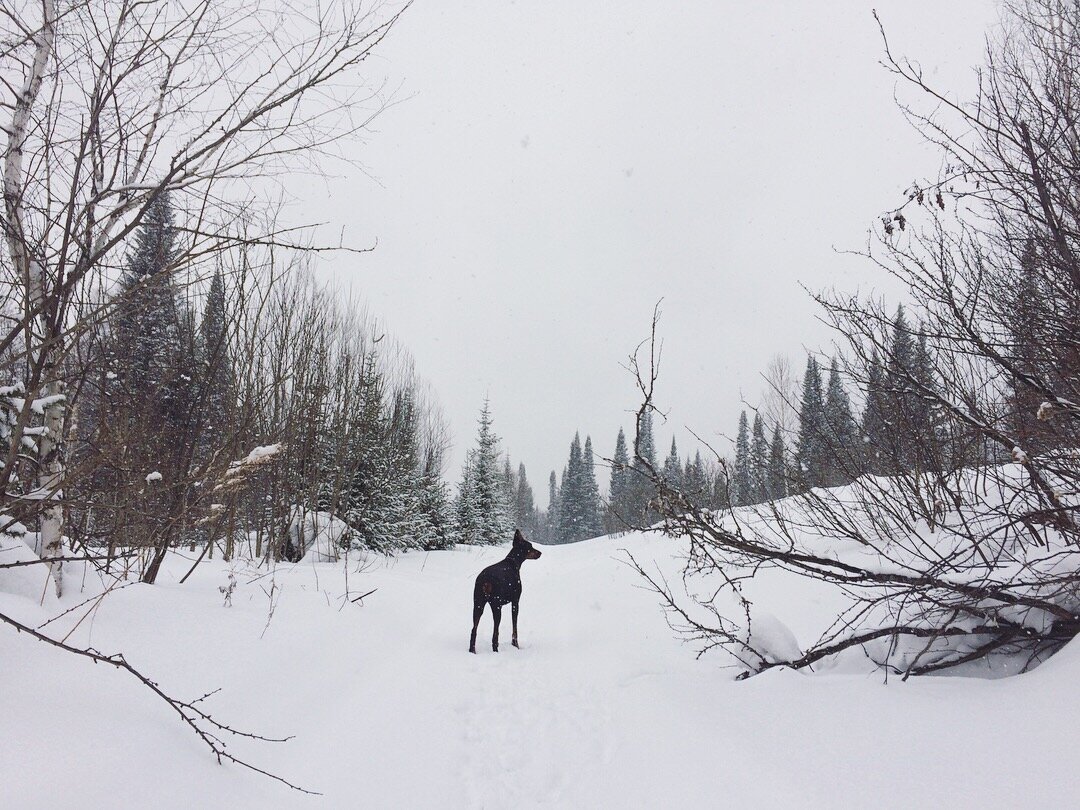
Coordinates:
<point>602,706</point>
<point>260,455</point>
<point>771,638</point>
<point>152,477</point>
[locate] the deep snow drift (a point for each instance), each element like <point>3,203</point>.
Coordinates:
<point>602,706</point>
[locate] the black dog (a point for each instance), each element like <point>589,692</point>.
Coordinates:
<point>498,584</point>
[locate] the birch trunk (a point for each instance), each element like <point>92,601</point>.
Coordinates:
<point>50,448</point>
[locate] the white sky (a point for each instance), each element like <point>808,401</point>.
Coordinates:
<point>556,167</point>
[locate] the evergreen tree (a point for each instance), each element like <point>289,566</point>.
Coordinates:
<point>215,365</point>
<point>841,463</point>
<point>811,454</point>
<point>141,414</point>
<point>875,427</point>
<point>524,507</point>
<point>742,483</point>
<point>579,498</point>
<point>619,491</point>
<point>641,489</point>
<point>777,476</point>
<point>551,521</point>
<point>696,481</point>
<point>759,461</point>
<point>153,360</point>
<point>485,519</point>
<point>902,401</point>
<point>435,504</point>
<point>672,468</point>
<point>591,492</point>
<point>722,489</point>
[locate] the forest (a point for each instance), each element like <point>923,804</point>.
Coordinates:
<point>212,443</point>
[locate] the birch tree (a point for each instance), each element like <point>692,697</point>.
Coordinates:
<point>112,104</point>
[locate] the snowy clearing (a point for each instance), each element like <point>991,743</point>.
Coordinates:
<point>602,706</point>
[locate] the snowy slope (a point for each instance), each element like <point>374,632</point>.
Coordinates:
<point>601,707</point>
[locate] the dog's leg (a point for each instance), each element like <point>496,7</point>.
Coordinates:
<point>477,612</point>
<point>496,614</point>
<point>513,618</point>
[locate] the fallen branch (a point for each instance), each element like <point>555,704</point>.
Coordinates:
<point>189,713</point>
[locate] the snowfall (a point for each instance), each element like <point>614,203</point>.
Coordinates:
<point>363,663</point>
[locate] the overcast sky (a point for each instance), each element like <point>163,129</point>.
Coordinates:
<point>555,168</point>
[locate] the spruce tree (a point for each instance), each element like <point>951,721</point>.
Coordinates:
<point>641,486</point>
<point>742,483</point>
<point>777,477</point>
<point>434,504</point>
<point>215,364</point>
<point>591,492</point>
<point>551,521</point>
<point>696,481</point>
<point>902,402</point>
<point>524,507</point>
<point>841,459</point>
<point>875,426</point>
<point>759,461</point>
<point>723,493</point>
<point>485,519</point>
<point>812,449</point>
<point>672,468</point>
<point>619,491</point>
<point>573,507</point>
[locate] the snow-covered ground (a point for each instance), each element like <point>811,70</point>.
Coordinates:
<point>602,706</point>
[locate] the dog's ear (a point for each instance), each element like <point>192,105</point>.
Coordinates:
<point>519,538</point>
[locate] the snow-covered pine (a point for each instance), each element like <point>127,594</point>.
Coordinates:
<point>742,483</point>
<point>811,455</point>
<point>672,470</point>
<point>843,460</point>
<point>778,474</point>
<point>759,461</point>
<point>483,516</point>
<point>619,489</point>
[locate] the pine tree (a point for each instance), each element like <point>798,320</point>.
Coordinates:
<point>875,428</point>
<point>551,521</point>
<point>575,514</point>
<point>435,505</point>
<point>215,366</point>
<point>149,346</point>
<point>902,402</point>
<point>696,481</point>
<point>524,506</point>
<point>485,518</point>
<point>641,486</point>
<point>777,476</point>
<point>759,461</point>
<point>841,459</point>
<point>141,414</point>
<point>619,492</point>
<point>811,454</point>
<point>723,493</point>
<point>591,492</point>
<point>672,468</point>
<point>742,483</point>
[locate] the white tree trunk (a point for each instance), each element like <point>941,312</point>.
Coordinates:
<point>51,470</point>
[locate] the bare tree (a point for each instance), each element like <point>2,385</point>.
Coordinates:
<point>113,105</point>
<point>967,551</point>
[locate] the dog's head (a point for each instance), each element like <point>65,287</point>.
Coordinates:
<point>523,545</point>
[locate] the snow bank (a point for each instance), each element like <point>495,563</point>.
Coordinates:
<point>320,534</point>
<point>601,707</point>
